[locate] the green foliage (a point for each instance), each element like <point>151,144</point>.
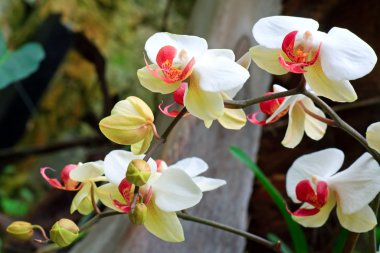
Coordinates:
<point>340,241</point>
<point>298,237</point>
<point>274,238</point>
<point>18,64</point>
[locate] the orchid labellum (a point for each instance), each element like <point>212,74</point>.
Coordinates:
<point>314,181</point>
<point>68,183</point>
<point>327,60</point>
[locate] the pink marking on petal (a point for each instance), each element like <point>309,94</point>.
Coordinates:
<point>166,55</point>
<point>125,189</point>
<point>70,184</point>
<point>156,74</point>
<point>288,45</point>
<point>148,196</point>
<point>296,68</point>
<point>52,181</point>
<point>322,192</point>
<point>252,118</point>
<point>159,164</point>
<point>179,93</point>
<point>270,106</point>
<point>165,110</point>
<point>186,72</point>
<point>305,212</point>
<point>123,207</point>
<point>305,192</point>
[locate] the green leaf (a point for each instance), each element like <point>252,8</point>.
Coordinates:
<point>298,237</point>
<point>14,207</point>
<point>16,65</point>
<point>340,241</point>
<point>274,238</point>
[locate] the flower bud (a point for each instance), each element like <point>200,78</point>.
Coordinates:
<point>21,230</point>
<point>64,232</point>
<point>138,172</point>
<point>138,215</point>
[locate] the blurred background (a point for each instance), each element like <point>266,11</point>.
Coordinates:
<point>91,51</point>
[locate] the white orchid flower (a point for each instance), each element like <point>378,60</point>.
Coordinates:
<point>327,61</point>
<point>164,194</point>
<point>304,116</point>
<point>88,174</point>
<point>211,72</point>
<point>373,136</point>
<point>313,181</point>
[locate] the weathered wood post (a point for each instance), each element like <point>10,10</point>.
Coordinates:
<point>225,24</point>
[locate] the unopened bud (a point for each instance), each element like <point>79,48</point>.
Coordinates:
<point>21,230</point>
<point>64,232</point>
<point>138,172</point>
<point>138,215</point>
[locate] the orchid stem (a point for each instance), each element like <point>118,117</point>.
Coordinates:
<point>275,246</point>
<point>93,201</point>
<point>239,104</point>
<point>165,135</point>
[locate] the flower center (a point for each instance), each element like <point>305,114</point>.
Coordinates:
<point>172,71</point>
<point>317,197</point>
<point>301,52</point>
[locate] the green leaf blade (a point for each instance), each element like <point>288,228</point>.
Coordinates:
<point>298,237</point>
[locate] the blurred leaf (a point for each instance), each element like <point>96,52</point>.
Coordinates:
<point>20,63</point>
<point>340,241</point>
<point>13,207</point>
<point>298,237</point>
<point>274,238</point>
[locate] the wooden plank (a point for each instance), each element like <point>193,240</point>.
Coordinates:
<point>225,24</point>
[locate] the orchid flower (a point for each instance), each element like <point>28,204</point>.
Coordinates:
<point>130,123</point>
<point>211,72</point>
<point>327,61</point>
<point>68,183</point>
<point>373,136</point>
<point>304,116</point>
<point>231,119</point>
<point>88,174</point>
<point>166,192</point>
<point>313,181</point>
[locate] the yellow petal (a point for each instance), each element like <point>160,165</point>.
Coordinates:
<point>142,146</point>
<point>82,200</point>
<point>314,128</point>
<point>233,119</point>
<point>359,222</point>
<point>123,129</point>
<point>164,225</point>
<point>107,193</point>
<point>318,219</point>
<point>296,125</point>
<point>267,59</point>
<point>202,104</point>
<point>133,106</point>
<point>339,91</point>
<point>245,60</point>
<point>154,84</point>
<point>373,136</point>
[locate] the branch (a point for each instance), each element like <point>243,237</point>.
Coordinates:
<point>238,104</point>
<point>275,246</point>
<point>12,154</point>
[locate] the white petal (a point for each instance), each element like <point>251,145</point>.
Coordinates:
<point>270,31</point>
<point>373,136</point>
<point>345,56</point>
<point>219,73</point>
<point>175,191</point>
<point>314,128</point>
<point>116,165</point>
<point>202,104</point>
<point>296,125</point>
<point>322,164</point>
<point>318,219</point>
<point>193,166</point>
<point>208,184</point>
<point>361,221</point>
<point>339,91</point>
<point>267,59</point>
<point>289,101</point>
<point>220,52</point>
<point>194,46</point>
<point>358,185</point>
<point>164,225</point>
<point>86,171</point>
